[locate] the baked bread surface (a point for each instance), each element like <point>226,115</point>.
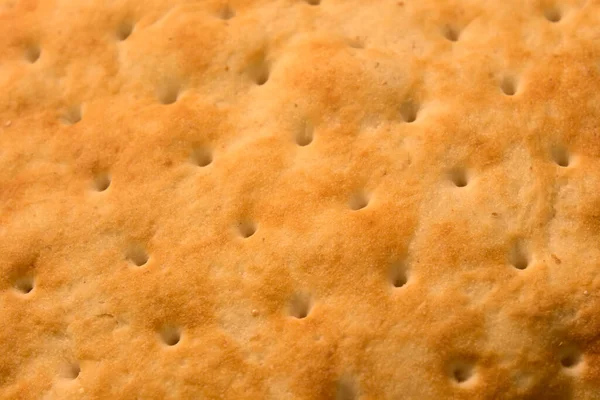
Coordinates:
<point>299,199</point>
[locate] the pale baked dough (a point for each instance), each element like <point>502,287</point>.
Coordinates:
<point>294,199</point>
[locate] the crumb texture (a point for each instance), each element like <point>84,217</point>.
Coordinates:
<point>300,199</point>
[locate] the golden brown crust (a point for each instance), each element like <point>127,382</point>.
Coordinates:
<point>299,199</point>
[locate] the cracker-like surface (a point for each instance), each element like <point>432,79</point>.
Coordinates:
<point>294,199</point>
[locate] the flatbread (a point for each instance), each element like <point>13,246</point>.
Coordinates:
<point>299,199</point>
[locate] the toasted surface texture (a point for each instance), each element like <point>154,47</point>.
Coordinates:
<point>299,199</point>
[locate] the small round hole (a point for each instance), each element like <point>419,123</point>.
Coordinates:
<point>226,13</point>
<point>462,372</point>
<point>137,256</point>
<point>24,285</point>
<point>202,156</point>
<point>70,370</point>
<point>124,31</point>
<point>247,229</point>
<point>300,305</point>
<point>32,54</point>
<point>508,86</point>
<point>102,182</point>
<point>409,111</point>
<point>398,275</point>
<point>459,177</point>
<point>560,155</point>
<point>258,68</point>
<point>356,43</point>
<point>450,33</point>
<point>518,256</point>
<point>262,77</point>
<point>569,361</point>
<point>570,357</point>
<point>552,14</point>
<point>170,335</point>
<point>358,201</point>
<point>72,115</point>
<point>304,137</point>
<point>168,94</point>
